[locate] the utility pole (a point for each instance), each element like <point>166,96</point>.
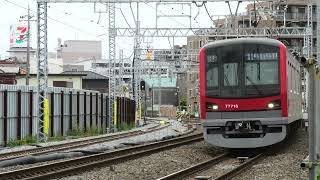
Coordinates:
<point>318,89</point>
<point>28,49</point>
<point>28,43</point>
<point>310,63</point>
<point>145,108</point>
<point>159,85</point>
<point>152,97</point>
<point>312,111</point>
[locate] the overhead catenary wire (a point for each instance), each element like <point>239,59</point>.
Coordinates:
<point>196,16</point>
<point>63,23</point>
<point>53,19</point>
<point>84,19</point>
<point>165,14</point>
<point>133,16</point>
<point>124,17</point>
<point>204,4</point>
<point>184,13</point>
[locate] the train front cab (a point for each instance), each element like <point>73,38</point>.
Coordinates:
<point>235,109</point>
<point>247,132</point>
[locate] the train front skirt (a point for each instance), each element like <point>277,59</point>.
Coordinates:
<point>244,133</point>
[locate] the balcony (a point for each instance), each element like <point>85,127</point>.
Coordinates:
<point>295,16</point>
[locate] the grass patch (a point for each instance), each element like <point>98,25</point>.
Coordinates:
<point>23,141</point>
<point>318,172</point>
<point>77,132</point>
<point>56,138</point>
<point>81,133</point>
<point>126,126</point>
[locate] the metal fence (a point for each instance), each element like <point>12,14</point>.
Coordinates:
<point>69,109</point>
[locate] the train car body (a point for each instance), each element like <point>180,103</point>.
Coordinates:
<point>250,92</point>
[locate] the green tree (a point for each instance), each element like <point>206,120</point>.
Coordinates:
<point>183,104</point>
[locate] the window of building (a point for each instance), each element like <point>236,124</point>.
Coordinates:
<point>190,77</point>
<point>190,92</point>
<point>63,84</point>
<point>301,13</point>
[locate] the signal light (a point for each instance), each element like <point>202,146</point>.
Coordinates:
<point>142,85</point>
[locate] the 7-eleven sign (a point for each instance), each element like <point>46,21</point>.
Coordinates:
<point>18,36</point>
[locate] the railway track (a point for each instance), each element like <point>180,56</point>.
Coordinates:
<point>76,165</point>
<point>188,172</point>
<point>75,144</point>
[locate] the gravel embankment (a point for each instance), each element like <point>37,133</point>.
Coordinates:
<point>155,165</point>
<point>140,138</point>
<point>26,147</point>
<point>284,164</point>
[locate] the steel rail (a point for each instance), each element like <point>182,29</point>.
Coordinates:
<point>244,166</point>
<point>74,144</point>
<point>81,164</point>
<point>196,168</point>
<point>208,164</point>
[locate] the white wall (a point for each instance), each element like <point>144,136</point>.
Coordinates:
<point>55,66</point>
<point>77,80</point>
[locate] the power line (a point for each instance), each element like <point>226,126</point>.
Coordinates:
<point>125,18</point>
<point>165,14</point>
<point>78,17</point>
<point>134,19</point>
<point>61,22</point>
<point>64,23</point>
<point>208,12</point>
<point>181,12</point>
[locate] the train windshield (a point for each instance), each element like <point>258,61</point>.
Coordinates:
<point>242,71</point>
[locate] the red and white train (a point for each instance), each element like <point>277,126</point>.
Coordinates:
<point>250,92</point>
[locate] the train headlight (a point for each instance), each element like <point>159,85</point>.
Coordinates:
<point>271,105</point>
<point>274,104</point>
<point>215,107</point>
<point>212,106</point>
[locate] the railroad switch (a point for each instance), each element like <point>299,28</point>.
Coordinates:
<point>202,177</point>
<point>242,159</point>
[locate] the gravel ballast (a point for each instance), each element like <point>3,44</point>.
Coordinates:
<point>284,164</point>
<point>27,147</point>
<point>155,165</point>
<point>171,130</point>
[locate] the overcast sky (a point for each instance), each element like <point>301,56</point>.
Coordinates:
<point>80,22</point>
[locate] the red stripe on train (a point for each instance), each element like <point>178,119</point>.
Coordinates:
<point>283,80</point>
<point>202,85</point>
<point>252,104</point>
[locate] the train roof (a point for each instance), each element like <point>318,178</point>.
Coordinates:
<point>226,42</point>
